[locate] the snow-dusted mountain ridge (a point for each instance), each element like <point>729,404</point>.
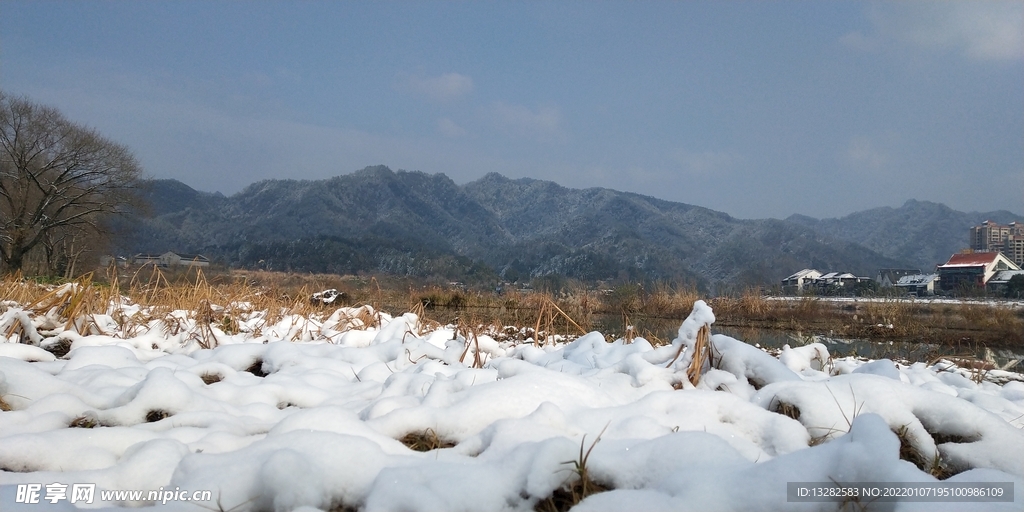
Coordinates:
<point>414,223</point>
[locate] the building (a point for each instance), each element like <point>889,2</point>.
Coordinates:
<point>189,260</point>
<point>108,260</point>
<point>997,285</point>
<point>799,281</point>
<point>811,280</point>
<point>972,270</point>
<point>834,280</point>
<point>148,259</point>
<point>888,277</point>
<point>992,237</point>
<point>171,258</point>
<point>918,284</point>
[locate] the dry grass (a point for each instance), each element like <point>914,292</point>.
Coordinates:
<point>213,304</point>
<point>785,409</point>
<point>86,421</point>
<point>16,288</point>
<point>701,353</point>
<point>669,301</point>
<point>211,378</point>
<point>580,484</point>
<point>157,415</point>
<point>256,368</point>
<point>933,464</point>
<point>425,441</point>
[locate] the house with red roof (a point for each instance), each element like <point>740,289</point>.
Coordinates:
<point>972,270</point>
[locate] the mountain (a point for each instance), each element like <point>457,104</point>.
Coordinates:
<point>921,233</point>
<point>412,223</point>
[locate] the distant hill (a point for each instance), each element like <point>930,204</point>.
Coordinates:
<point>412,223</point>
<point>919,232</point>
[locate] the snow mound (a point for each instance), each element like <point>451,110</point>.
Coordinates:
<point>358,410</point>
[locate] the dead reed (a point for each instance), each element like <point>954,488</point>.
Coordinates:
<point>701,352</point>
<point>425,441</point>
<point>204,308</point>
<point>580,484</point>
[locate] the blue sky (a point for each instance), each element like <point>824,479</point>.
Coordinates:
<point>757,109</point>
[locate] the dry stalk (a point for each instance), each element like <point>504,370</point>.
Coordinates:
<point>701,351</point>
<point>470,331</point>
<point>569,319</point>
<point>425,441</point>
<point>571,494</point>
<point>536,329</point>
<point>629,332</point>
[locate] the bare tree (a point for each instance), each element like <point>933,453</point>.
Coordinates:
<point>58,179</point>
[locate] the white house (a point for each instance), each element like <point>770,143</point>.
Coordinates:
<point>147,259</point>
<point>833,279</point>
<point>799,281</point>
<point>888,277</point>
<point>190,260</point>
<point>997,285</point>
<point>171,258</point>
<point>918,284</point>
<point>972,270</point>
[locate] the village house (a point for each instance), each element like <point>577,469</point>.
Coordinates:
<point>799,281</point>
<point>171,258</point>
<point>108,260</point>
<point>834,280</point>
<point>811,280</point>
<point>972,270</point>
<point>888,277</point>
<point>997,285</point>
<point>919,285</point>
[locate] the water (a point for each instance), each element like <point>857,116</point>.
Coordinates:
<point>665,330</point>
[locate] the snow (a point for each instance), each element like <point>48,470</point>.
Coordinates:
<point>308,413</point>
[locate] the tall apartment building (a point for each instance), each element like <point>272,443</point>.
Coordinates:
<point>992,237</point>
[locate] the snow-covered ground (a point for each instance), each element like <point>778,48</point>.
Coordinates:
<point>309,412</point>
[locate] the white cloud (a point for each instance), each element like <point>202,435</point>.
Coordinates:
<point>545,122</point>
<point>704,163</point>
<point>446,87</point>
<point>212,146</point>
<point>980,30</point>
<point>862,153</point>
<point>450,128</point>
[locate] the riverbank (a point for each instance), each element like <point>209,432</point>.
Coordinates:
<point>252,394</point>
<point>629,310</point>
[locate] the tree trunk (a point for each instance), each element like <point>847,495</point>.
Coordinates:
<point>12,262</point>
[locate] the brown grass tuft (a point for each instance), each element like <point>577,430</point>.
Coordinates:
<point>425,441</point>
<point>785,409</point>
<point>932,464</point>
<point>85,421</point>
<point>211,378</point>
<point>256,368</point>
<point>580,486</point>
<point>157,415</point>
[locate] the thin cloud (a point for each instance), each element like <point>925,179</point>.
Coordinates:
<point>979,30</point>
<point>446,87</point>
<point>544,122</point>
<point>862,153</point>
<point>450,128</point>
<point>705,163</point>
